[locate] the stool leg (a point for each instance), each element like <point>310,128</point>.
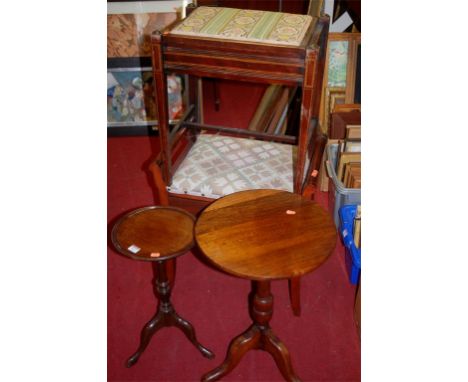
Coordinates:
<point>160,82</point>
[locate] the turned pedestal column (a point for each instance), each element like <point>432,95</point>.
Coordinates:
<point>158,235</point>
<point>263,235</point>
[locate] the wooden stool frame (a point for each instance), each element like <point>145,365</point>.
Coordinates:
<point>200,57</point>
<point>242,61</point>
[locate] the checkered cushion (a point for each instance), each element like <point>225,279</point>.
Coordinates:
<point>245,25</point>
<point>220,165</point>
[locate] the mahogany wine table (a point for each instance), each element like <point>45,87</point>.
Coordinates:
<point>263,235</point>
<point>158,234</point>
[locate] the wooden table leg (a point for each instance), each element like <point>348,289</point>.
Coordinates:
<point>295,295</point>
<point>257,336</point>
<point>165,315</point>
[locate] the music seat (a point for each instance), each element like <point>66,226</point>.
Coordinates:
<point>196,165</point>
<point>245,25</point>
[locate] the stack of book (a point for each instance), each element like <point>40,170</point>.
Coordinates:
<point>345,124</point>
<point>348,169</point>
<point>348,164</point>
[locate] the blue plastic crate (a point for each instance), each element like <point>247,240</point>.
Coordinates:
<point>353,254</point>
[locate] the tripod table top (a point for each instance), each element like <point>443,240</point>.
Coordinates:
<point>154,233</point>
<point>265,234</point>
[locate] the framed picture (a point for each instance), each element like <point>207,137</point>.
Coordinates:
<point>333,96</point>
<point>341,72</point>
<point>128,35</point>
<point>337,63</point>
<point>130,24</point>
<point>131,103</point>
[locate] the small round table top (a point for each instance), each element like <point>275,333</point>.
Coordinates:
<point>265,234</point>
<point>154,233</point>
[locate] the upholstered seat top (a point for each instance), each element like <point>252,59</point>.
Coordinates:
<point>219,165</point>
<point>245,25</point>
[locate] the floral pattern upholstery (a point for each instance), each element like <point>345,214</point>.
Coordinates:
<point>245,25</point>
<point>219,165</point>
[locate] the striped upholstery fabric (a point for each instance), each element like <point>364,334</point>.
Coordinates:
<point>245,25</point>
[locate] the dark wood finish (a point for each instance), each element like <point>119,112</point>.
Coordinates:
<point>263,235</point>
<point>258,336</point>
<point>339,121</point>
<point>163,200</point>
<point>165,316</point>
<point>167,232</point>
<point>195,204</point>
<point>244,61</point>
<point>163,196</point>
<point>316,150</point>
<point>243,132</point>
<point>308,191</point>
<point>294,294</point>
<point>199,57</point>
<point>250,234</point>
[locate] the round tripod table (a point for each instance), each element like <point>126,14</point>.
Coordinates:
<point>158,234</point>
<point>263,235</point>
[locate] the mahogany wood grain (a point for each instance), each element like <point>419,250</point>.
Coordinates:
<point>160,81</point>
<point>155,229</point>
<point>161,190</point>
<point>258,336</point>
<point>244,61</point>
<point>204,57</point>
<point>264,235</point>
<point>165,316</point>
<point>167,231</point>
<point>243,132</point>
<point>295,295</point>
<point>163,201</point>
<point>249,234</point>
<point>195,204</point>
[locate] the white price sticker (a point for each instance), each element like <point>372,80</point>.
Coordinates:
<point>134,249</point>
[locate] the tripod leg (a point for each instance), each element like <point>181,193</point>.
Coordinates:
<point>237,348</point>
<point>189,331</point>
<point>156,323</point>
<point>280,353</point>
